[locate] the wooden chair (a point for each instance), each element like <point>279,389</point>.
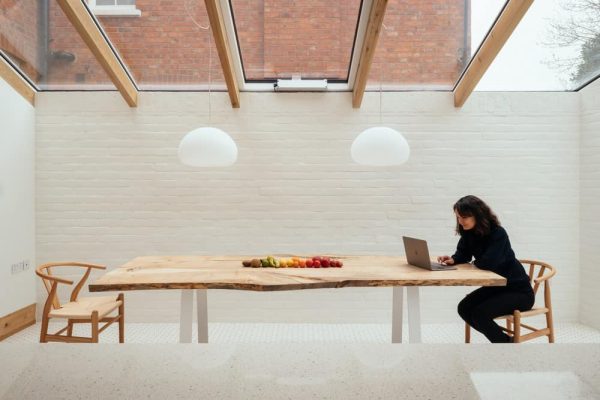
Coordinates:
<point>91,310</point>
<point>513,321</point>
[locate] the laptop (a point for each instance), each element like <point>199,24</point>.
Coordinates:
<point>417,254</point>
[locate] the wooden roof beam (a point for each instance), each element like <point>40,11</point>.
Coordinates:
<point>84,23</point>
<point>369,45</point>
<point>506,23</point>
<point>217,25</point>
<point>12,77</point>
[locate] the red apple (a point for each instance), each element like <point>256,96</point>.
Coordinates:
<point>316,264</point>
<point>325,263</point>
<point>309,263</point>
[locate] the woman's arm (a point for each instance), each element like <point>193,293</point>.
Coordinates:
<point>463,254</point>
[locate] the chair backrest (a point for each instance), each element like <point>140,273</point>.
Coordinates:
<point>540,273</point>
<point>51,281</point>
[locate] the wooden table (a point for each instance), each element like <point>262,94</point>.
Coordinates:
<point>199,273</point>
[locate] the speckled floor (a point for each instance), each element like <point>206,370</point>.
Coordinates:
<point>289,333</point>
<point>300,371</point>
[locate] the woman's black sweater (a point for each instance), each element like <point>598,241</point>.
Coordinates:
<point>494,253</point>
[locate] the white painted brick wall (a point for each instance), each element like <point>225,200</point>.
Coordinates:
<point>590,205</point>
<point>17,208</point>
<point>110,188</point>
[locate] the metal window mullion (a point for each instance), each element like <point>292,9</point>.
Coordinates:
<point>360,38</point>
<point>110,44</point>
<point>235,51</point>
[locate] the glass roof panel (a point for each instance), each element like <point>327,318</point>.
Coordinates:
<point>309,38</point>
<point>555,47</point>
<point>40,41</point>
<point>168,46</point>
<point>426,45</point>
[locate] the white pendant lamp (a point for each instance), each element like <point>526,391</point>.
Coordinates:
<point>207,146</point>
<point>380,146</point>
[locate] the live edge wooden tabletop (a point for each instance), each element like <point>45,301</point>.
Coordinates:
<point>227,272</point>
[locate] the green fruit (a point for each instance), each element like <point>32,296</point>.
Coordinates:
<point>264,263</point>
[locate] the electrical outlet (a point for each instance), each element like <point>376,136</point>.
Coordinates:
<point>19,267</point>
<point>15,268</point>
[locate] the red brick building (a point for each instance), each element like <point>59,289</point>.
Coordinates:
<point>424,43</point>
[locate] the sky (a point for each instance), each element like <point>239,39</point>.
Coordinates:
<point>521,64</point>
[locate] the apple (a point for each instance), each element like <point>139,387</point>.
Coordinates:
<point>325,263</point>
<point>317,264</point>
<point>309,263</point>
<point>317,258</point>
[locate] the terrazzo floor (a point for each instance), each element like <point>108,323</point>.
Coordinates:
<point>303,333</point>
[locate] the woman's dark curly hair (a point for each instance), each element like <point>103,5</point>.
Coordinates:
<point>473,206</point>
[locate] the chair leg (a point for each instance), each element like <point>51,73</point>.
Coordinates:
<point>550,325</point>
<point>121,318</point>
<point>70,328</point>
<point>44,329</point>
<point>517,330</point>
<point>467,333</point>
<point>95,327</point>
<point>509,326</point>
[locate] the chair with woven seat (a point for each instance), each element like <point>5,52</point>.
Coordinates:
<point>92,310</point>
<point>544,272</point>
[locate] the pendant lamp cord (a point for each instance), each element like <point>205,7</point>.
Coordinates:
<point>381,74</point>
<point>205,28</point>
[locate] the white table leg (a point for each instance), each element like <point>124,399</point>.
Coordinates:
<point>202,310</point>
<point>397,299</point>
<point>414,314</point>
<point>186,316</point>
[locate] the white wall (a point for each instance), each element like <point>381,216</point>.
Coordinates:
<point>17,211</point>
<point>590,205</point>
<point>110,188</point>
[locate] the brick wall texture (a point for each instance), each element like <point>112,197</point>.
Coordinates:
<point>18,35</point>
<point>590,205</point>
<point>110,187</point>
<point>422,44</point>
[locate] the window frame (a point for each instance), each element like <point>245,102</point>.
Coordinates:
<point>116,10</point>
<point>268,86</point>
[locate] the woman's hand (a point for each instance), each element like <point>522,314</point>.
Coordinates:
<point>446,260</point>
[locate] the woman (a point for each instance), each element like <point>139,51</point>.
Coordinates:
<point>482,237</point>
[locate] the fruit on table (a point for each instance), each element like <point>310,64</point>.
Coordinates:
<point>274,263</point>
<point>294,262</point>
